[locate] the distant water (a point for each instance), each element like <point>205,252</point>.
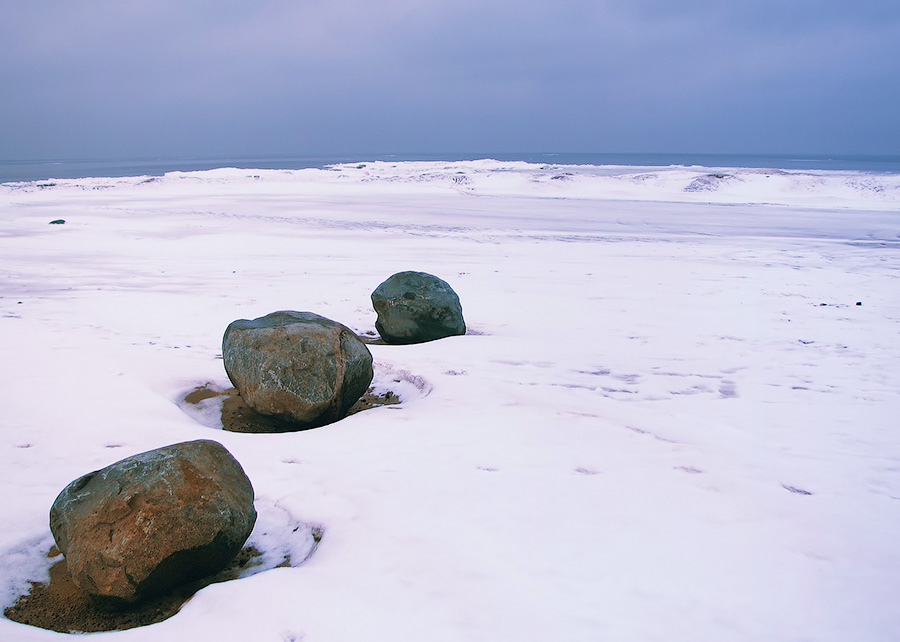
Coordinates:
<point>35,170</point>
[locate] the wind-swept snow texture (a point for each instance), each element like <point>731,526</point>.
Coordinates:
<point>674,416</point>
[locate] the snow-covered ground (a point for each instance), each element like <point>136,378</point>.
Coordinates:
<point>674,417</point>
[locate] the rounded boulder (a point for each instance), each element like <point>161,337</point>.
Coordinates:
<point>299,367</point>
<point>414,307</point>
<point>153,521</point>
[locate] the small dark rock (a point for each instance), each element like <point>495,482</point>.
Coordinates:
<point>414,307</point>
<point>298,367</point>
<point>153,521</point>
<point>795,490</point>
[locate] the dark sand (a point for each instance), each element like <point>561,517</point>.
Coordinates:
<point>61,606</point>
<point>239,417</point>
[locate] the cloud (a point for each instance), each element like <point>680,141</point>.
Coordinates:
<point>587,74</point>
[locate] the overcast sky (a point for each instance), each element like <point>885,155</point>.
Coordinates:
<point>140,78</point>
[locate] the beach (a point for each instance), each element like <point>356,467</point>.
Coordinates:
<point>673,415</point>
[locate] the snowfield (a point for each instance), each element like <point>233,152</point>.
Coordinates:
<point>675,416</point>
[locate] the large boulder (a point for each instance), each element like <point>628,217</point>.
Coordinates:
<point>414,307</point>
<point>150,522</point>
<point>298,367</point>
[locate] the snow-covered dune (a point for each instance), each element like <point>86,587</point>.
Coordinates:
<point>676,183</point>
<point>674,416</point>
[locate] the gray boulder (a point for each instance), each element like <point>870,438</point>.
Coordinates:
<point>298,367</point>
<point>414,307</point>
<point>153,521</point>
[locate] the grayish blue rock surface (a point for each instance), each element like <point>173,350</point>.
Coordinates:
<point>414,307</point>
<point>299,367</point>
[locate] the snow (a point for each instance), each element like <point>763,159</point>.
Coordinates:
<point>670,419</point>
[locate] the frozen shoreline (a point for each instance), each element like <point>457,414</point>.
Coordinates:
<point>722,185</point>
<point>615,451</point>
<point>42,169</point>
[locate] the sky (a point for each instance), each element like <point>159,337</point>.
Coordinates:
<point>105,78</point>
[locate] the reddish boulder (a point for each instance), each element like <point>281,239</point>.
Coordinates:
<point>150,522</point>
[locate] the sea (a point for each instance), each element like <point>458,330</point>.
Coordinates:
<point>47,169</point>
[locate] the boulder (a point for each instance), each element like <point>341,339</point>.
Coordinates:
<point>414,307</point>
<point>298,367</point>
<point>153,521</point>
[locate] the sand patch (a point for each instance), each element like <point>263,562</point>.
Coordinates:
<point>221,406</point>
<point>204,402</point>
<point>59,605</point>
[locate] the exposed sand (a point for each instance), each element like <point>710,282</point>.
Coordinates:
<point>61,606</point>
<point>237,416</point>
